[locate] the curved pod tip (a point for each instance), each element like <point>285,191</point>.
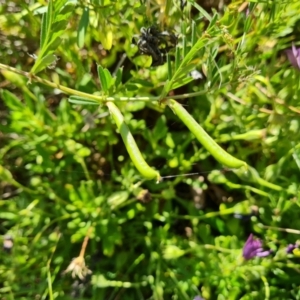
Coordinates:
<point>131,146</point>
<point>204,138</point>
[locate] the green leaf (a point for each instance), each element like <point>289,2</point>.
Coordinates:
<point>59,4</point>
<point>109,79</point>
<point>11,100</point>
<point>117,198</point>
<point>177,58</point>
<point>40,11</point>
<point>172,252</point>
<point>102,79</point>
<point>119,76</point>
<point>248,24</point>
<point>8,216</point>
<point>43,63</point>
<point>202,10</point>
<point>187,69</point>
<point>53,25</point>
<point>107,40</point>
<point>160,129</point>
<point>53,44</point>
<point>43,30</point>
<point>193,39</point>
<point>82,101</point>
<point>213,21</point>
<point>169,67</point>
<point>184,47</point>
<point>168,7</point>
<point>181,71</point>
<point>65,13</point>
<point>48,21</point>
<point>83,24</point>
<point>59,26</point>
<point>184,77</point>
<point>105,78</point>
<point>182,81</point>
<point>141,83</point>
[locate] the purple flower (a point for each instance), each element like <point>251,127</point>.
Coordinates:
<point>294,56</point>
<point>291,247</point>
<point>253,247</point>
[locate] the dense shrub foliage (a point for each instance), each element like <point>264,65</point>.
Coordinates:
<point>78,218</point>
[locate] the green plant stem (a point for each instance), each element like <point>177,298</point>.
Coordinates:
<point>85,169</point>
<point>227,211</point>
<point>180,289</point>
<point>49,277</point>
<point>85,242</point>
<point>96,98</point>
<point>289,230</point>
<point>267,287</point>
<point>219,249</point>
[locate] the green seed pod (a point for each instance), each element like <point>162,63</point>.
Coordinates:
<point>131,145</point>
<point>210,145</point>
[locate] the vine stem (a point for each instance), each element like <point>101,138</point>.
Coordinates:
<point>95,98</point>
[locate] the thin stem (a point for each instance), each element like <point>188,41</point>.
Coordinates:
<point>96,98</point>
<point>85,242</point>
<point>85,169</point>
<point>289,230</point>
<point>49,277</point>
<point>267,287</point>
<point>219,249</point>
<point>227,211</point>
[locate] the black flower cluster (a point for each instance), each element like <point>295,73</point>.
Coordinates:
<point>156,44</point>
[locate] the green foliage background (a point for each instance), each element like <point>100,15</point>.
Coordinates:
<point>64,168</point>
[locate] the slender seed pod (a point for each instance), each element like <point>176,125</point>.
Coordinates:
<point>208,143</point>
<point>131,145</point>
